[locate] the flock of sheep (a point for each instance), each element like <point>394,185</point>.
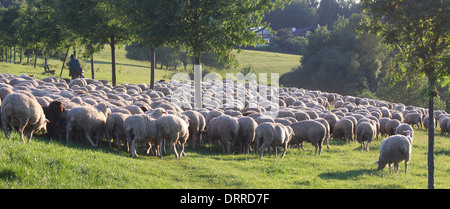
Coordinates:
<point>87,110</point>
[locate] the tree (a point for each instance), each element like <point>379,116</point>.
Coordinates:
<point>342,61</point>
<point>420,31</point>
<point>220,26</point>
<point>299,14</point>
<point>154,23</point>
<point>97,23</point>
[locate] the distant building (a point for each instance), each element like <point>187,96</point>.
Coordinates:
<point>301,31</point>
<point>265,35</point>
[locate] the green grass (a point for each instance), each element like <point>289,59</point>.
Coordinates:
<point>51,164</point>
<point>131,71</point>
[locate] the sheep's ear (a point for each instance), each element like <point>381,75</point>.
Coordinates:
<point>47,121</point>
<point>378,162</point>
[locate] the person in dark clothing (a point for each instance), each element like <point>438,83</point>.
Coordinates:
<point>75,69</point>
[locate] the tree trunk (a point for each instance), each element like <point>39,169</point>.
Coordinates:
<point>92,66</point>
<point>64,62</point>
<point>113,59</point>
<point>153,65</point>
<point>431,83</point>
<point>35,57</point>
<point>28,56</point>
<point>21,54</point>
<point>14,55</point>
<point>197,82</point>
<point>10,55</point>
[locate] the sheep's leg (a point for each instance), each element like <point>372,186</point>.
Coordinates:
<point>174,145</point>
<point>22,128</point>
<point>284,152</point>
<point>396,167</point>
<point>88,137</point>
<point>320,148</point>
<point>133,148</point>
<point>29,135</point>
<point>275,149</point>
<point>161,144</point>
<point>406,167</point>
<point>5,126</point>
<point>389,164</point>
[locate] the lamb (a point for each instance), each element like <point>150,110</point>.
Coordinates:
<point>272,134</point>
<point>115,130</point>
<point>343,128</point>
<point>394,150</point>
<point>172,128</point>
<point>140,129</point>
<point>224,128</point>
<point>88,119</point>
<point>24,111</point>
<point>365,134</point>
<point>246,137</point>
<point>311,131</point>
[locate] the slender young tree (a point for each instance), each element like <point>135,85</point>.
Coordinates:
<point>154,23</point>
<point>220,27</point>
<point>420,31</point>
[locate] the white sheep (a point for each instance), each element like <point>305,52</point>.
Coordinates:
<point>140,129</point>
<point>175,129</point>
<point>115,130</point>
<point>88,119</point>
<point>394,150</point>
<point>274,135</point>
<point>24,111</point>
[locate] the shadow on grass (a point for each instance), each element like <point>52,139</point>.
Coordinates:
<point>345,175</point>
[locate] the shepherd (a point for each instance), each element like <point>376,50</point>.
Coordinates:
<point>75,69</point>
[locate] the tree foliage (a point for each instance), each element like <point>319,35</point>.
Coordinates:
<point>341,61</point>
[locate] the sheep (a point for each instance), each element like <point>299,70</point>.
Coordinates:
<point>311,131</point>
<point>343,128</point>
<point>426,121</point>
<point>327,127</point>
<point>197,125</point>
<point>391,125</point>
<point>140,129</point>
<point>414,119</point>
<point>383,122</point>
<point>395,149</point>
<point>272,134</point>
<point>443,124</point>
<point>365,134</point>
<point>246,137</point>
<point>24,111</point>
<point>53,114</point>
<point>115,130</point>
<point>226,129</point>
<point>403,128</point>
<point>88,119</point>
<point>172,128</point>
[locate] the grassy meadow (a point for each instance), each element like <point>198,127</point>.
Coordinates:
<point>132,71</point>
<point>52,164</point>
<point>45,163</point>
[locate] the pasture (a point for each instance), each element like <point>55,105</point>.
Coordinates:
<point>132,71</point>
<point>52,164</point>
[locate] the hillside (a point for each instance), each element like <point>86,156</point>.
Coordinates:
<point>132,71</point>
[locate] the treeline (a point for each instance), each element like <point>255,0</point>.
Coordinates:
<point>200,26</point>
